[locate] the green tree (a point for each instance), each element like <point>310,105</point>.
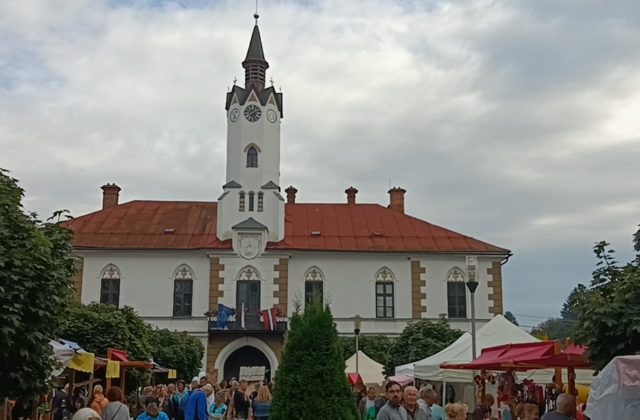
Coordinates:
<point>511,317</point>
<point>554,329</point>
<point>312,360</point>
<point>421,339</point>
<point>573,300</point>
<point>377,347</point>
<point>36,267</point>
<point>177,350</point>
<point>609,310</point>
<point>97,326</point>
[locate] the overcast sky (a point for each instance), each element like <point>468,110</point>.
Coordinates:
<point>516,122</point>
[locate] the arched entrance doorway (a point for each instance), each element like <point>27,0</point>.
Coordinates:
<point>241,342</point>
<point>245,356</point>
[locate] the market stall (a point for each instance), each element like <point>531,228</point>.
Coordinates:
<point>369,369</point>
<point>513,358</point>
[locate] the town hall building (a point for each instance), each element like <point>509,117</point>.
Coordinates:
<point>257,248</point>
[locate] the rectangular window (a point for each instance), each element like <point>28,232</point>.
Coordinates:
<point>110,291</point>
<point>241,203</point>
<point>312,291</point>
<point>457,299</point>
<point>251,195</point>
<point>384,300</point>
<point>260,201</point>
<point>182,296</point>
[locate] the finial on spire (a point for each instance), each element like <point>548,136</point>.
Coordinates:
<point>271,80</point>
<point>235,79</point>
<point>256,15</point>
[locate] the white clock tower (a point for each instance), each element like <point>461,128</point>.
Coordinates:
<point>251,209</point>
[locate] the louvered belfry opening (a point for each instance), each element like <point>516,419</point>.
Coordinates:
<point>255,65</point>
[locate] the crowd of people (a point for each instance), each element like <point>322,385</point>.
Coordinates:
<point>200,400</point>
<point>409,403</point>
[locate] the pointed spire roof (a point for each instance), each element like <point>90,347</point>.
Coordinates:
<point>255,65</point>
<point>255,51</point>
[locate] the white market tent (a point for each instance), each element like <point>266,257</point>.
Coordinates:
<point>498,331</point>
<point>369,369</point>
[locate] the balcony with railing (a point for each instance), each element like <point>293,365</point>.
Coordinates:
<point>252,325</point>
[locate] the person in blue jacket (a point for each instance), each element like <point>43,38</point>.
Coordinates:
<point>152,411</point>
<point>197,407</point>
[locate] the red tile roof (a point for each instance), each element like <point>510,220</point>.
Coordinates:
<point>308,227</point>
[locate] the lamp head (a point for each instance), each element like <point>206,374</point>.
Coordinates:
<point>357,321</point>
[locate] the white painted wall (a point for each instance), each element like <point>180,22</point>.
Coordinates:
<point>232,267</point>
<point>350,287</point>
<point>147,285</point>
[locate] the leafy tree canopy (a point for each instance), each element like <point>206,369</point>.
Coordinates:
<point>36,267</point>
<point>179,351</point>
<point>377,347</point>
<point>511,317</point>
<point>421,339</point>
<point>97,326</point>
<point>609,310</point>
<point>554,329</point>
<point>312,360</point>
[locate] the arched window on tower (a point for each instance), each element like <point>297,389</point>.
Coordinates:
<point>385,293</point>
<point>251,199</point>
<point>313,285</point>
<point>260,201</point>
<point>241,198</point>
<point>252,157</point>
<point>182,291</point>
<point>456,294</point>
<point>110,285</point>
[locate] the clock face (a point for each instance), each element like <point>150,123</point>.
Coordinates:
<point>234,114</point>
<point>252,113</point>
<point>272,116</point>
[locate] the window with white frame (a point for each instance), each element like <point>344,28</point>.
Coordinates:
<point>183,291</point>
<point>110,285</point>
<point>385,307</point>
<point>456,293</point>
<point>313,286</point>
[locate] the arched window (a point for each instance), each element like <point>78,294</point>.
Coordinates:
<point>182,291</point>
<point>384,293</point>
<point>248,296</point>
<point>456,294</point>
<point>241,198</point>
<point>313,284</point>
<point>252,157</point>
<point>251,197</point>
<point>260,201</point>
<point>110,285</point>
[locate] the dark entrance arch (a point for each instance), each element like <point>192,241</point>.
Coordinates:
<point>246,356</point>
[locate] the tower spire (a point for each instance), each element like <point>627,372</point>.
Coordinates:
<point>255,65</point>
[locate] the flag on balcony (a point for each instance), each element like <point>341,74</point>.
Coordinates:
<point>222,318</point>
<point>269,318</point>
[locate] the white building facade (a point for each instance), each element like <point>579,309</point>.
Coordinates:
<point>179,263</point>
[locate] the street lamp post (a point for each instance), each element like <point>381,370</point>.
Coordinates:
<point>357,320</point>
<point>472,285</point>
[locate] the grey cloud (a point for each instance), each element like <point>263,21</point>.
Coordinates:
<point>504,120</point>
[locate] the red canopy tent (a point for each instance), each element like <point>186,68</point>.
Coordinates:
<point>529,356</point>
<point>125,363</point>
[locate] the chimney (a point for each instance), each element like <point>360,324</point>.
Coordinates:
<point>110,194</point>
<point>291,194</point>
<point>396,199</point>
<point>351,195</point>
